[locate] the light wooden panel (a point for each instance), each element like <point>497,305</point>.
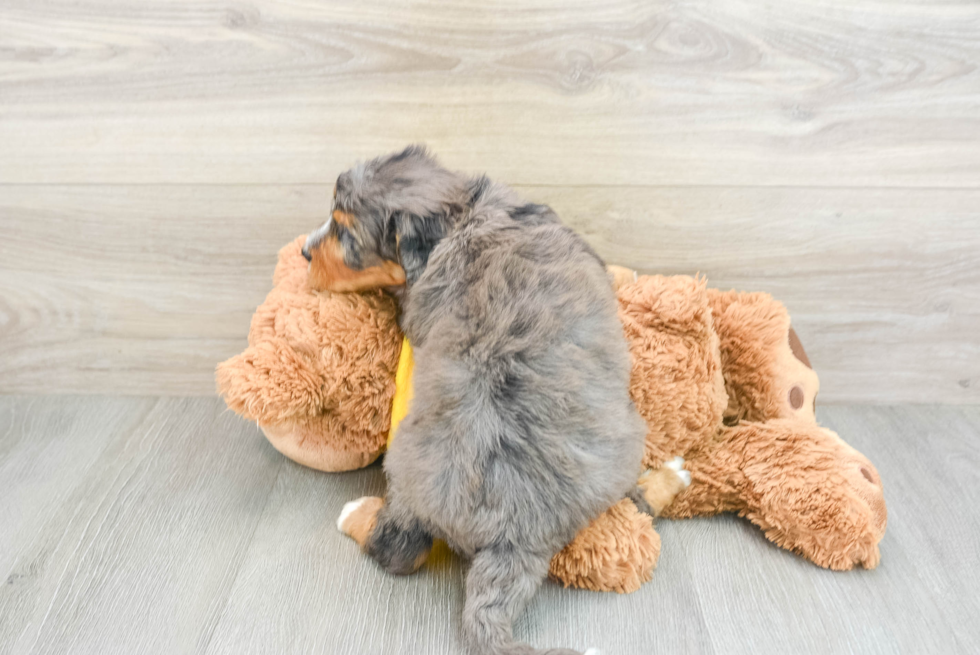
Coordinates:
<point>145,526</point>
<point>155,153</point>
<point>136,289</point>
<point>142,289</point>
<point>829,92</point>
<point>883,285</point>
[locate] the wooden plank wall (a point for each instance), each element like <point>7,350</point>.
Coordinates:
<point>154,155</point>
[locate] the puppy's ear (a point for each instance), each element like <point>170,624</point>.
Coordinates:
<point>344,184</point>
<point>415,237</point>
<point>413,151</point>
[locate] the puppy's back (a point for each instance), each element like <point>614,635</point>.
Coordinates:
<point>522,385</point>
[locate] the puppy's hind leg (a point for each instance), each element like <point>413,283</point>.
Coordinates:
<point>500,582</point>
<point>394,538</point>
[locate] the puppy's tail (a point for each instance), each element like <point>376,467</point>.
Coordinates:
<point>500,582</point>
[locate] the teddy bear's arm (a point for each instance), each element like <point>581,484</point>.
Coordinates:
<point>619,550</point>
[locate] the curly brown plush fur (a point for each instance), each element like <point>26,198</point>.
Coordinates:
<point>318,374</point>
<point>808,490</point>
<point>767,374</point>
<point>616,552</point>
<point>677,381</point>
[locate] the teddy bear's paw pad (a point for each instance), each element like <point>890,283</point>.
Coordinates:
<point>358,517</point>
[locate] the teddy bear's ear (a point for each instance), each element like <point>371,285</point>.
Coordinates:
<point>270,382</point>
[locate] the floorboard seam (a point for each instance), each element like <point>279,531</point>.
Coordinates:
<point>238,571</point>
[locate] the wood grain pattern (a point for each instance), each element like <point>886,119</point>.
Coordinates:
<point>137,287</point>
<point>536,92</point>
<point>298,553</point>
<point>155,154</point>
<point>143,525</point>
<point>142,289</point>
<point>139,552</point>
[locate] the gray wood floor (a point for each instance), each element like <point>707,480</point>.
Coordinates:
<point>149,525</point>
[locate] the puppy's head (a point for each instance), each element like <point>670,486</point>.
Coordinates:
<point>387,216</point>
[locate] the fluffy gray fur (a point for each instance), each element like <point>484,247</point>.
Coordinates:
<point>521,430</point>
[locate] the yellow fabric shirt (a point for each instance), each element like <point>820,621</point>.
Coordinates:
<point>403,388</point>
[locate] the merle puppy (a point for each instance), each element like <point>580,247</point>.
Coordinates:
<point>521,430</point>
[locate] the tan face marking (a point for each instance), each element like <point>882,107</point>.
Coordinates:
<point>328,271</point>
<point>342,217</point>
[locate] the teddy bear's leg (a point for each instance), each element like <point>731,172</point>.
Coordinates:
<point>808,490</point>
<point>767,372</point>
<point>394,539</point>
<point>814,494</point>
<point>618,551</point>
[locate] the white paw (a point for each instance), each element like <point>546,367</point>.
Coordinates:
<point>593,651</point>
<point>677,466</point>
<point>348,510</point>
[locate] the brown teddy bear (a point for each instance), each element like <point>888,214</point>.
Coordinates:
<point>318,375</point>
<point>720,377</point>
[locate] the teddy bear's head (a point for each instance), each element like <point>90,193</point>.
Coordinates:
<point>318,373</point>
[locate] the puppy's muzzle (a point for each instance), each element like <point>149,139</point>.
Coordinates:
<point>329,272</point>
<point>314,239</point>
